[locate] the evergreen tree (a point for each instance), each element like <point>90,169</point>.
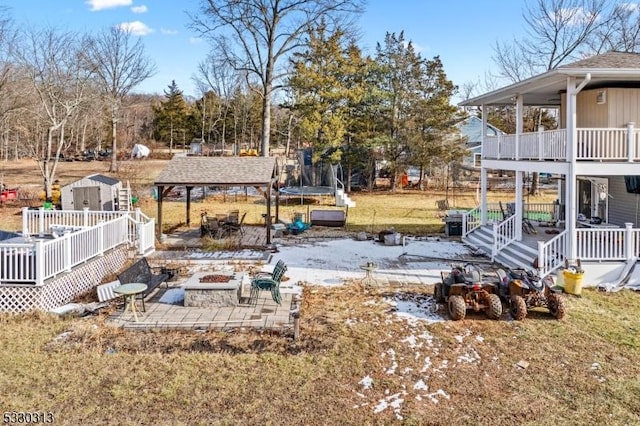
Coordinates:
<point>172,117</point>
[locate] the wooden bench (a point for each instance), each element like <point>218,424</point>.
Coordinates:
<point>140,272</point>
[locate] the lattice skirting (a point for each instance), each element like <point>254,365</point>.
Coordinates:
<point>63,289</point>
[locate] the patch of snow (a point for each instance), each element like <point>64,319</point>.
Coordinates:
<point>330,263</point>
<point>172,296</point>
<point>420,385</point>
<point>382,405</point>
<point>434,396</point>
<point>479,338</point>
<point>412,341</point>
<point>366,382</point>
<point>413,311</point>
<point>469,357</point>
<point>427,364</point>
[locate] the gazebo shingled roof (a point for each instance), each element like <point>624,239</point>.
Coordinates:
<point>217,171</point>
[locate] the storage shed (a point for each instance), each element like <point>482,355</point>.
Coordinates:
<point>98,192</point>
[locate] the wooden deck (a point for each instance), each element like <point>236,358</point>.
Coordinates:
<point>254,237</point>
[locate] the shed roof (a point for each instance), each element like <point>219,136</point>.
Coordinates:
<point>249,171</point>
<point>104,179</point>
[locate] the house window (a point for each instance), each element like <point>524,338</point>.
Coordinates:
<point>477,160</point>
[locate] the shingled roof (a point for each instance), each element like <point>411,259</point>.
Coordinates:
<point>607,60</point>
<point>195,171</point>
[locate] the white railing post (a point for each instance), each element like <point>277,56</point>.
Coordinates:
<point>101,238</point>
<point>67,252</point>
<point>540,143</point>
<point>628,241</point>
<point>464,224</point>
<point>137,216</point>
<point>25,222</point>
<point>85,216</point>
<point>142,241</point>
<point>39,253</point>
<point>542,264</point>
<point>41,221</point>
<point>631,146</point>
<point>494,246</point>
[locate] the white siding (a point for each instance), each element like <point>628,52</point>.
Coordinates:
<point>623,207</point>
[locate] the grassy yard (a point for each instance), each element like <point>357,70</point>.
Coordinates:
<point>413,212</point>
<point>582,370</point>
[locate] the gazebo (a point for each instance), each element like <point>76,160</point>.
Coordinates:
<point>258,172</point>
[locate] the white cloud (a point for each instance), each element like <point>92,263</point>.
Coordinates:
<point>107,4</point>
<point>167,31</point>
<point>136,28</point>
<point>195,40</point>
<point>139,9</point>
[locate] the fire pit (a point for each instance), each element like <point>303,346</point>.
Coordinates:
<point>205,290</point>
<point>216,278</point>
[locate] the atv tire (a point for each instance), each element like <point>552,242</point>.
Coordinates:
<point>438,293</point>
<point>555,303</point>
<point>457,308</point>
<point>517,307</point>
<point>494,310</point>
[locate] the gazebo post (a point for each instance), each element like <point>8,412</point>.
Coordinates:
<point>277,202</point>
<point>189,188</point>
<point>159,224</point>
<point>268,218</point>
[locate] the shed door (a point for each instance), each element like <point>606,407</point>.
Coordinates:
<point>86,196</point>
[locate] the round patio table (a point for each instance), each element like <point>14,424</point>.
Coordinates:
<point>130,291</point>
<point>368,279</point>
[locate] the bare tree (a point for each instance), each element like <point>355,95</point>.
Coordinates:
<point>51,61</point>
<point>558,31</point>
<point>623,32</point>
<point>217,76</point>
<point>120,65</point>
<point>254,35</point>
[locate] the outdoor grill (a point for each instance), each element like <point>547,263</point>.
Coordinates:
<point>453,223</point>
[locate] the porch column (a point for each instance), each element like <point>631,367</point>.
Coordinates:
<point>519,201</point>
<point>483,192</point>
<point>631,145</point>
<point>483,170</point>
<point>519,124</point>
<point>570,183</point>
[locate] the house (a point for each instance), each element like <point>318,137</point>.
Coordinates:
<point>595,151</point>
<point>471,129</point>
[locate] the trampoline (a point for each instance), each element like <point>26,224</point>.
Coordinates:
<point>305,190</point>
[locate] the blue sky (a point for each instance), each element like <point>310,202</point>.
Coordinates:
<point>461,32</point>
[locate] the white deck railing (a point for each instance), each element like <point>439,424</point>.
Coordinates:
<point>37,261</point>
<point>601,144</point>
<point>607,244</point>
<point>91,234</point>
<point>551,254</point>
<point>504,233</point>
<point>471,220</point>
